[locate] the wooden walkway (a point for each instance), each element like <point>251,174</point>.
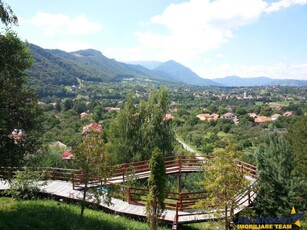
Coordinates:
<point>63,189</point>
<point>67,183</point>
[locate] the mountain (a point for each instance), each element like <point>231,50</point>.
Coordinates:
<point>288,82</point>
<point>183,74</point>
<point>235,81</point>
<point>52,70</point>
<point>147,64</point>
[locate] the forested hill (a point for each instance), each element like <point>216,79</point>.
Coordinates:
<point>52,70</point>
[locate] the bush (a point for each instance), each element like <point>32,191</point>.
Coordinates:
<point>26,184</point>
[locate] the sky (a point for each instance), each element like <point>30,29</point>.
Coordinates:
<point>214,38</point>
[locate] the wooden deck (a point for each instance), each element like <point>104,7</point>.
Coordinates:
<point>63,189</point>
<point>67,183</point>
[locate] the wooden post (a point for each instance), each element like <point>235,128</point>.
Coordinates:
<point>249,195</point>
<point>129,196</point>
<point>179,176</point>
<point>177,217</point>
<point>180,201</point>
<point>124,172</point>
<point>73,181</point>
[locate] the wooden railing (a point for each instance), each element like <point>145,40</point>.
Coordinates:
<point>179,201</point>
<point>47,172</point>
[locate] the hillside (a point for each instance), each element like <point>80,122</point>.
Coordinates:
<point>235,81</point>
<point>52,70</point>
<point>183,74</point>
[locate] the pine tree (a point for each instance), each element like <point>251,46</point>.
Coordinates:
<point>275,195</point>
<point>297,137</point>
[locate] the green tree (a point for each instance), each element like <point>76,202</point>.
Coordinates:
<point>297,137</point>
<point>68,104</point>
<point>90,157</point>
<point>19,112</point>
<point>223,182</point>
<point>275,194</point>
<point>7,15</point>
<point>156,184</point>
<point>137,130</point>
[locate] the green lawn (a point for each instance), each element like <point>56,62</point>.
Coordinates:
<point>49,214</point>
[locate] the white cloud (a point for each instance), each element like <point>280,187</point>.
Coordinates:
<point>55,24</point>
<point>198,26</point>
<point>276,6</point>
<point>70,46</point>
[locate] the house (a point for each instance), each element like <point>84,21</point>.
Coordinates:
<point>275,116</point>
<point>93,127</point>
<point>215,116</point>
<point>207,116</point>
<point>204,116</point>
<point>58,144</point>
<point>167,117</point>
<point>83,115</point>
<point>252,115</point>
<point>67,155</point>
<point>288,114</point>
<point>111,109</point>
<point>229,116</point>
<point>262,119</point>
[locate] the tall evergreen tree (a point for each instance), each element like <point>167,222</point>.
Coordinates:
<point>297,137</point>
<point>275,162</point>
<point>19,111</point>
<point>156,184</point>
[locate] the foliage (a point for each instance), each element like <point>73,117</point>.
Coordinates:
<point>25,184</point>
<point>7,15</point>
<point>50,215</point>
<point>18,105</point>
<point>49,157</point>
<point>297,137</point>
<point>278,190</point>
<point>156,184</point>
<point>223,181</point>
<point>90,157</point>
<point>137,130</point>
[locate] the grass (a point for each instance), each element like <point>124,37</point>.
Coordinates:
<point>49,214</point>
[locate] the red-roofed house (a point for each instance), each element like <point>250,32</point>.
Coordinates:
<point>288,114</point>
<point>261,119</point>
<point>207,116</point>
<point>67,155</point>
<point>93,127</point>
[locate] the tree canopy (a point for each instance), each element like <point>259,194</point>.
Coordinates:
<point>18,105</point>
<point>7,15</point>
<point>138,129</point>
<point>156,184</point>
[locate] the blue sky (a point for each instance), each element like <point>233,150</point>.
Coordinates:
<point>247,38</point>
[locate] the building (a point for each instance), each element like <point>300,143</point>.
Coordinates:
<point>93,127</point>
<point>67,155</point>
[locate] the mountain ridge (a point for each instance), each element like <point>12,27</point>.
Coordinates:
<point>53,69</point>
